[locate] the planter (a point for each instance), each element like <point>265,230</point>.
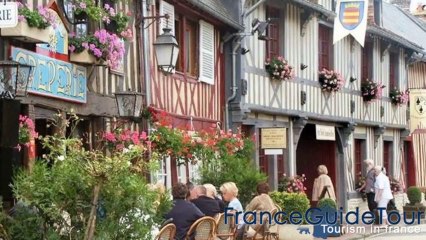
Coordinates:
<point>25,33</point>
<point>411,211</point>
<point>85,58</point>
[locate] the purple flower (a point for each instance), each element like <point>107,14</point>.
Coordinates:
<point>83,5</point>
<point>106,6</point>
<point>21,18</point>
<point>71,48</point>
<point>85,45</point>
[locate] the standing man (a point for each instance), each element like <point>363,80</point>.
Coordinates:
<point>368,185</point>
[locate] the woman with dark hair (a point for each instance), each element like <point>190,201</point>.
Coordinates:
<point>261,203</point>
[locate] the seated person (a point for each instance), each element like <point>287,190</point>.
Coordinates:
<point>184,213</point>
<point>212,192</point>
<point>261,203</point>
<point>209,206</point>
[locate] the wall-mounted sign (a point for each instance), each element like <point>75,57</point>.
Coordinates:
<point>273,138</point>
<point>8,14</point>
<point>417,109</point>
<point>325,132</point>
<point>54,78</point>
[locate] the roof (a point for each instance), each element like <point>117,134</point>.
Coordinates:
<point>397,31</point>
<point>224,10</point>
<point>404,24</point>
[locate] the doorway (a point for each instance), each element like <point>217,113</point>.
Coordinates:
<point>311,153</point>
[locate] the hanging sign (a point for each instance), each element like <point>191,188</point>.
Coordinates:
<point>273,138</point>
<point>351,18</point>
<point>8,14</point>
<point>417,109</point>
<point>325,133</point>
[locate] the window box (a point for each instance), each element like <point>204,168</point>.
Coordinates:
<point>26,33</point>
<point>85,58</point>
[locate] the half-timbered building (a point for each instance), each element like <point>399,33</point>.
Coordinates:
<point>338,129</point>
<point>193,95</point>
<point>61,84</point>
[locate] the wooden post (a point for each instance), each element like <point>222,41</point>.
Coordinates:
<point>91,224</point>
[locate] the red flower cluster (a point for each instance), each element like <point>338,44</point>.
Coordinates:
<point>120,139</point>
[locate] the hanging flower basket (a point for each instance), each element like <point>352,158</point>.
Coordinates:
<point>399,97</point>
<point>279,69</point>
<point>81,17</point>
<point>330,81</point>
<point>371,90</point>
<point>25,33</point>
<point>84,57</point>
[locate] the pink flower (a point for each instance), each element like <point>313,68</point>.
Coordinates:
<point>83,5</point>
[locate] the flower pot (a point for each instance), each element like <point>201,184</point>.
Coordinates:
<point>85,58</point>
<point>411,211</point>
<point>25,33</point>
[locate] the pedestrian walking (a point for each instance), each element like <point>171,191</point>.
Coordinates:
<point>368,185</point>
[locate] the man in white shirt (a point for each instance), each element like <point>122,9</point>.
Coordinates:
<point>383,192</point>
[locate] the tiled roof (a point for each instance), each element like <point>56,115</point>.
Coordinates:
<point>225,10</point>
<point>404,24</point>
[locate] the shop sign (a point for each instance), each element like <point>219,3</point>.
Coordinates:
<point>325,133</point>
<point>273,138</point>
<point>54,78</point>
<point>8,14</point>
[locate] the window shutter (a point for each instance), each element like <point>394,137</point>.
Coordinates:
<point>206,52</point>
<point>167,8</point>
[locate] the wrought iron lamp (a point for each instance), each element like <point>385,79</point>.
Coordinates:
<point>129,104</point>
<point>14,79</point>
<point>166,51</point>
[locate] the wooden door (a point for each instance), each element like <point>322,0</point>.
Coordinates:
<point>311,153</point>
<point>387,157</point>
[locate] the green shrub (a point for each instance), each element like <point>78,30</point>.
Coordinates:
<point>291,202</point>
<point>414,195</point>
<point>235,169</point>
<point>327,203</point>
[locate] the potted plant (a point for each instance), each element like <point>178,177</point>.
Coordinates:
<point>330,80</point>
<point>115,21</point>
<point>33,25</point>
<point>399,97</point>
<point>414,206</point>
<point>87,9</point>
<point>26,130</point>
<point>279,69</point>
<point>99,48</point>
<point>327,206</point>
<point>293,184</point>
<point>371,90</point>
<point>293,202</point>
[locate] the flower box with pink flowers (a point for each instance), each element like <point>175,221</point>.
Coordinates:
<point>399,97</point>
<point>33,26</point>
<point>100,48</point>
<point>371,90</point>
<point>330,81</point>
<point>279,69</point>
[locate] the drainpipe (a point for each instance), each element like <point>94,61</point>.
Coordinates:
<point>146,54</point>
<point>235,45</point>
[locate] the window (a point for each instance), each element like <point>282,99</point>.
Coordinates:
<point>387,157</point>
<point>359,156</point>
<point>273,33</point>
<point>325,47</point>
<point>393,71</point>
<point>196,39</point>
<point>186,32</point>
<point>367,61</point>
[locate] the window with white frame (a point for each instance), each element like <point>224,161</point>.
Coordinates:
<point>196,41</point>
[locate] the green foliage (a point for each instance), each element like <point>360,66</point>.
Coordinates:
<point>414,195</point>
<point>291,202</point>
<point>121,20</point>
<point>58,195</point>
<point>229,168</point>
<point>327,203</point>
<point>33,18</point>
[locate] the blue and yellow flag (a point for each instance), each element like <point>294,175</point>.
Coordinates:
<point>351,18</point>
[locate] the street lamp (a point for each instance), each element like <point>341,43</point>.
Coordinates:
<point>129,104</point>
<point>14,79</point>
<point>167,51</point>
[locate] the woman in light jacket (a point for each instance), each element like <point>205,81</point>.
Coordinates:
<point>383,192</point>
<point>320,182</point>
